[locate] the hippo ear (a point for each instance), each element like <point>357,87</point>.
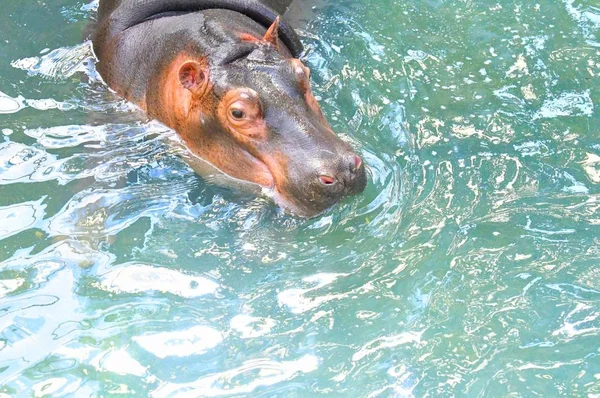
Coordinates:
<point>192,75</point>
<point>272,35</point>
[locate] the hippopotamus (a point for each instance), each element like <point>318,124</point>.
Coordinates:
<point>226,76</point>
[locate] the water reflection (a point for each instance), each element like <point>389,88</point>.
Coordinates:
<point>60,63</point>
<point>138,278</point>
<point>261,372</point>
<point>194,341</point>
<point>9,104</point>
<point>20,217</point>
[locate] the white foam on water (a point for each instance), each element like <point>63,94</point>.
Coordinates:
<point>9,104</point>
<point>60,63</point>
<point>567,104</point>
<point>68,136</point>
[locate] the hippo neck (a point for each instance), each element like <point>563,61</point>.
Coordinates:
<point>133,13</point>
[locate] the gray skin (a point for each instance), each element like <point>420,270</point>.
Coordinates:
<point>137,40</point>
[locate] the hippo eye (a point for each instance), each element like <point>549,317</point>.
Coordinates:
<point>245,110</point>
<point>238,114</point>
<point>240,111</point>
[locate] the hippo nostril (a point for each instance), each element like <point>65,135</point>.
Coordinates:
<point>357,162</point>
<point>326,180</point>
<point>354,163</point>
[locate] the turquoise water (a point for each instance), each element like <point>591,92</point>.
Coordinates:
<point>469,267</point>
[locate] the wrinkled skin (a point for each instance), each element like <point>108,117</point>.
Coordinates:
<point>239,100</point>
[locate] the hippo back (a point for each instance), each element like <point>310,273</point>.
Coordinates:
<point>116,16</point>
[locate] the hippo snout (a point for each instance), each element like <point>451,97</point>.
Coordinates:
<point>318,179</point>
<point>346,176</point>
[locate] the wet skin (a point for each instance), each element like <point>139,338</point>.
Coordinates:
<point>235,93</point>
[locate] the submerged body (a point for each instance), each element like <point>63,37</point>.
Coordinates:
<point>225,76</point>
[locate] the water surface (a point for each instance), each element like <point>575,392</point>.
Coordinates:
<point>469,267</point>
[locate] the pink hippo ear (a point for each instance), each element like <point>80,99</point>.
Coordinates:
<point>193,76</point>
<point>272,35</point>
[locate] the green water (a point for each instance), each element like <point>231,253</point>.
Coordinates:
<point>469,267</point>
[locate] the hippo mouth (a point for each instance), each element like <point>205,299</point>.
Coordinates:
<point>214,175</point>
<point>272,191</point>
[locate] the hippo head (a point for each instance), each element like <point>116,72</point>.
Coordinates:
<point>261,124</point>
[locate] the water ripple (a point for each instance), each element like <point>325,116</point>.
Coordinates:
<point>195,341</point>
<point>137,278</point>
<point>262,372</point>
<point>60,63</point>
